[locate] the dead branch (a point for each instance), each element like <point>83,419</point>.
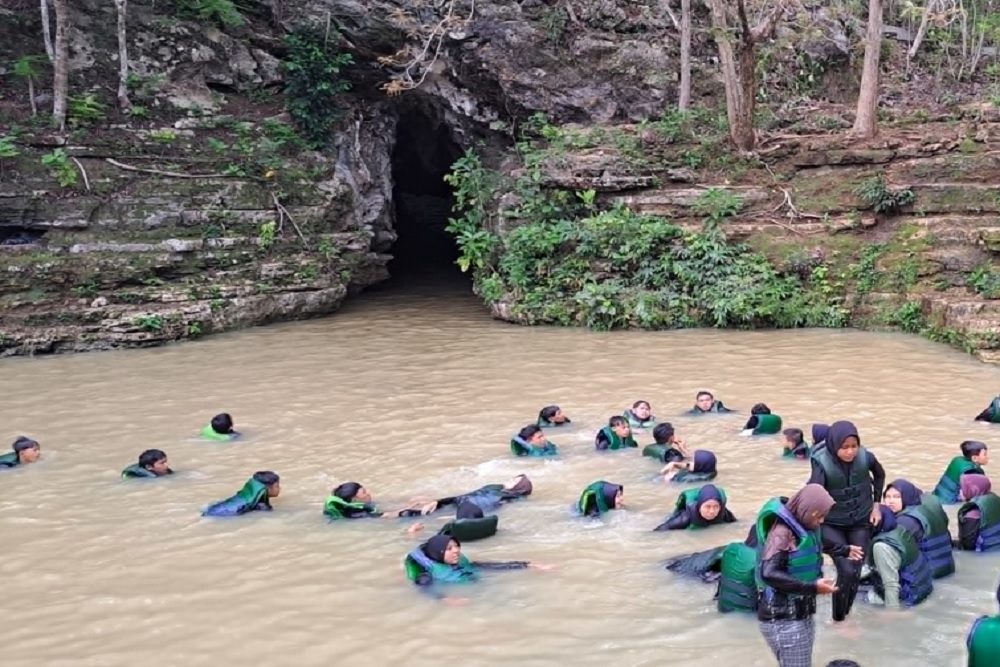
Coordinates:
<point>86,181</point>
<point>158,172</point>
<point>283,215</point>
<point>435,40</point>
<point>792,211</point>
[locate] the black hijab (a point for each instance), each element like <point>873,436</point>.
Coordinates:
<point>468,510</point>
<point>839,432</point>
<point>347,491</point>
<point>609,491</point>
<point>437,545</point>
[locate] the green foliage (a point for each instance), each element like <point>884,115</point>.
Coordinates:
<point>225,12</point>
<point>474,190</point>
<point>268,235</point>
<point>315,82</point>
<point>983,280</point>
<point>60,166</point>
<point>909,317</point>
<point>24,67</point>
<point>876,195</point>
<point>153,323</point>
<point>84,110</point>
<point>7,147</point>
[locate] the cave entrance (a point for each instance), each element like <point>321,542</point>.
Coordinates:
<point>423,155</point>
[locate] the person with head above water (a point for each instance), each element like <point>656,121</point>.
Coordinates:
<point>551,416</point>
<point>531,441</point>
<point>255,496</point>
<point>762,422</point>
<point>795,444</point>
<point>789,574</point>
<point>152,463</point>
<point>900,575</point>
<point>700,468</point>
<point>705,403</point>
<point>601,497</point>
<point>640,415</point>
<point>616,435</point>
<point>351,500</point>
<point>979,516</point>
<point>666,447</point>
<point>819,435</point>
<point>731,566</point>
<point>855,480</point>
<point>922,516</point>
<point>220,428</point>
<point>699,508</point>
<point>488,498</point>
<point>974,456</point>
<point>983,640</point>
<point>992,412</point>
<point>439,561</point>
<point>25,450</point>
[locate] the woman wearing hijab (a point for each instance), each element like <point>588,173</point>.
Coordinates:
<point>350,500</point>
<point>488,497</point>
<point>922,515</point>
<point>819,435</point>
<point>700,468</point>
<point>699,508</point>
<point>790,573</point>
<point>439,560</point>
<point>601,497</point>
<point>983,640</point>
<point>900,574</point>
<point>979,515</point>
<point>855,479</point>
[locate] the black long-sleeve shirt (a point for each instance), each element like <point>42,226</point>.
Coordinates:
<point>427,584</point>
<point>874,467</point>
<point>682,520</point>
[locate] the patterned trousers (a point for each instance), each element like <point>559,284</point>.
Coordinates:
<point>790,641</point>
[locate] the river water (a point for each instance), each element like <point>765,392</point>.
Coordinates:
<point>416,392</point>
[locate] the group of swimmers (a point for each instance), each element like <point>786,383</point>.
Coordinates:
<point>893,540</point>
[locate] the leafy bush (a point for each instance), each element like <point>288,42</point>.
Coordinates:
<point>314,82</point>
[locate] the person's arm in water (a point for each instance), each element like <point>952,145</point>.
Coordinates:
<point>502,565</point>
<point>433,506</point>
<point>887,561</point>
<point>878,477</point>
<point>425,582</point>
<point>676,521</point>
<point>601,441</point>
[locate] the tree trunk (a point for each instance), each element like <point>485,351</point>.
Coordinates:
<point>866,121</point>
<point>123,101</point>
<point>925,21</point>
<point>31,96</point>
<point>47,32</point>
<point>684,95</point>
<point>730,75</point>
<point>60,67</point>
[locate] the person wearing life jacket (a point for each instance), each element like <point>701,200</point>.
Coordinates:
<point>700,468</point>
<point>601,497</point>
<point>439,561</point>
<point>666,447</point>
<point>979,515</point>
<point>789,573</point>
<point>795,444</point>
<point>531,441</point>
<point>698,508</point>
<point>761,422</point>
<point>855,479</point>
<point>819,434</point>
<point>351,500</point>
<point>974,456</point>
<point>992,412</point>
<point>551,416</point>
<point>900,574</point>
<point>25,451</point>
<point>488,498</point>
<point>922,515</point>
<point>640,415</point>
<point>471,524</point>
<point>255,496</point>
<point>983,640</point>
<point>152,463</point>
<point>616,435</point>
<point>731,567</point>
<point>220,429</point>
<point>705,403</point>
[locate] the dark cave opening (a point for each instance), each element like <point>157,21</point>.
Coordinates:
<point>423,155</point>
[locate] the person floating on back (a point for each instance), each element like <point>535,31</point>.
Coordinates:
<point>700,468</point>
<point>531,441</point>
<point>488,498</point>
<point>152,463</point>
<point>601,497</point>
<point>220,429</point>
<point>922,515</point>
<point>666,447</point>
<point>698,508</point>
<point>795,444</point>
<point>25,451</point>
<point>974,457</point>
<point>616,435</point>
<point>992,412</point>
<point>705,403</point>
<point>255,496</point>
<point>983,640</point>
<point>979,515</point>
<point>640,415</point>
<point>551,416</point>
<point>761,422</point>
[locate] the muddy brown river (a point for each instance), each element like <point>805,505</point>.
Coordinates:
<point>416,392</point>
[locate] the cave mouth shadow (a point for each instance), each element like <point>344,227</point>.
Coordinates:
<point>423,154</point>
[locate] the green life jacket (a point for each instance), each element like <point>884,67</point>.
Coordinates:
<point>136,470</point>
<point>336,507</point>
<point>245,500</point>
<point>805,563</point>
<point>615,442</point>
<point>689,477</point>
<point>854,496</point>
<point>988,505</point>
<point>737,586</point>
<point>767,425</point>
<point>936,542</point>
<point>545,423</point>
<point>211,434</point>
<point>662,453</point>
<point>915,579</point>
<point>521,447</point>
<point>995,410</point>
<point>10,460</point>
<point>470,530</point>
<point>688,498</point>
<point>634,421</point>
<point>949,485</point>
<point>983,642</point>
<point>417,563</point>
<point>594,491</point>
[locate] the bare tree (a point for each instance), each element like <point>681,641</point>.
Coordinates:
<point>123,101</point>
<point>739,73</point>
<point>47,32</point>
<point>866,119</point>
<point>60,66</point>
<point>684,94</point>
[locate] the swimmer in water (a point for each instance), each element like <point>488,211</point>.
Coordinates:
<point>761,422</point>
<point>601,497</point>
<point>698,508</point>
<point>255,496</point>
<point>488,497</point>
<point>552,416</point>
<point>350,500</point>
<point>152,463</point>
<point>531,441</point>
<point>974,456</point>
<point>640,415</point>
<point>795,444</point>
<point>616,435</point>
<point>700,468</point>
<point>220,429</point>
<point>705,403</point>
<point>25,451</point>
<point>666,447</point>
